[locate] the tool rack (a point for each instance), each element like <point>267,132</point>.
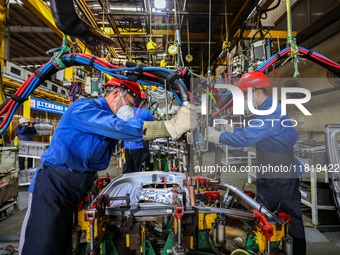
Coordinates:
<point>9,189</point>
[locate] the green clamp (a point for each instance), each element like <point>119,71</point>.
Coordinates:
<point>64,49</point>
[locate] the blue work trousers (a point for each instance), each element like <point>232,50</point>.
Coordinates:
<point>56,194</point>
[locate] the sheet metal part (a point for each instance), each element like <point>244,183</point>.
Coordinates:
<point>149,198</point>
<point>240,195</point>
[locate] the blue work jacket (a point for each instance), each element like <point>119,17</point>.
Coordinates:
<point>86,135</point>
<point>145,115</point>
<point>25,133</point>
<point>266,132</point>
<point>270,133</point>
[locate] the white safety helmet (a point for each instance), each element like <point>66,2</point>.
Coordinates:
<point>23,120</point>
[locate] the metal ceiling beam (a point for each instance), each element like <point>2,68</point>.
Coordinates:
<point>213,27</point>
<point>236,21</point>
<point>28,29</point>
<point>140,13</point>
<point>140,35</point>
<point>46,95</point>
<point>33,43</point>
<point>88,14</point>
<point>266,4</point>
<point>31,59</point>
<point>114,26</point>
<point>318,25</point>
<point>20,49</point>
<point>232,28</point>
<point>248,34</point>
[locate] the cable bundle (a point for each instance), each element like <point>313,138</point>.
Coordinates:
<point>141,73</point>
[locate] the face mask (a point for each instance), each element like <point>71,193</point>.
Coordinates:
<point>125,112</point>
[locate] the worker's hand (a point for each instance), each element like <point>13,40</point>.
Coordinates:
<point>213,135</point>
<point>185,120</point>
<point>228,128</point>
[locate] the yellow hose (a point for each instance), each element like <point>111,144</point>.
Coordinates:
<point>239,250</point>
<point>210,94</point>
<point>289,19</point>
<point>291,40</point>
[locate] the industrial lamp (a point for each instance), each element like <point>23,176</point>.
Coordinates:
<point>151,46</point>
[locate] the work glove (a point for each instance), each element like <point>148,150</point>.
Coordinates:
<point>213,135</point>
<point>228,128</point>
<point>185,120</point>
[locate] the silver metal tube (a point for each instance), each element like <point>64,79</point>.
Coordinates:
<point>166,109</point>
<point>268,246</point>
<point>178,35</point>
<point>91,237</point>
<point>240,195</point>
<point>220,232</point>
<point>179,232</point>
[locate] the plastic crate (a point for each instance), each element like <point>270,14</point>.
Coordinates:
<point>31,148</point>
<point>26,176</point>
<point>323,191</point>
<point>22,176</point>
<point>8,156</point>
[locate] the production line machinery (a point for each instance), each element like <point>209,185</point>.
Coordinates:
<point>165,212</point>
<point>151,213</point>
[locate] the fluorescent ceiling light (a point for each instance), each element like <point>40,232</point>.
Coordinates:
<point>160,4</point>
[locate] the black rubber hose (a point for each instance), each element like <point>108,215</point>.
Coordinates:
<point>68,21</point>
<point>146,78</point>
<point>66,18</point>
<point>226,100</point>
<point>274,7</point>
<point>176,84</point>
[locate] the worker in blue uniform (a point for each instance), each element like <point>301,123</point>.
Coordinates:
<point>274,149</point>
<point>136,152</point>
<point>25,132</point>
<point>82,144</point>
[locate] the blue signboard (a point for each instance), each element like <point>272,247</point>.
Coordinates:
<point>46,106</point>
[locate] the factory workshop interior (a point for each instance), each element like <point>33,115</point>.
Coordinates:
<point>198,127</point>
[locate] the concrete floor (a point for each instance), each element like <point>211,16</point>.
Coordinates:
<point>324,239</point>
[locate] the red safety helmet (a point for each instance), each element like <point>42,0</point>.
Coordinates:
<point>255,80</point>
<point>131,87</point>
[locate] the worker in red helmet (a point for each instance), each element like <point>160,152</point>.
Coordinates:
<point>279,189</point>
<point>137,154</point>
<point>255,81</point>
<point>83,144</point>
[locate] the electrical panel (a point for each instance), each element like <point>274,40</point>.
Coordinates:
<point>239,65</point>
<point>260,51</point>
